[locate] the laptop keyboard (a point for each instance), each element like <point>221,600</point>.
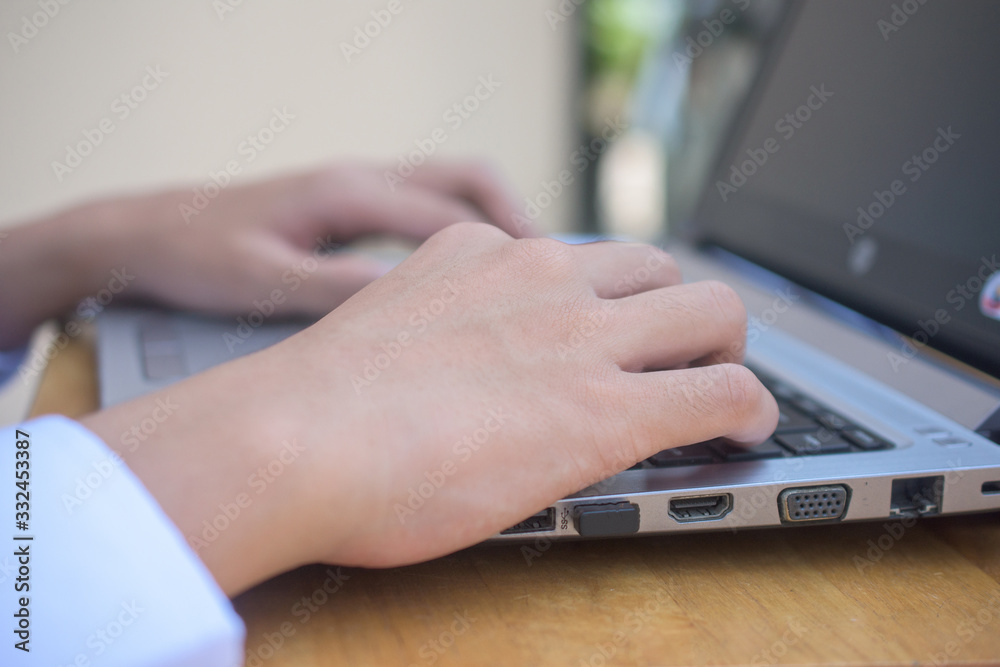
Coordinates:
<point>806,427</point>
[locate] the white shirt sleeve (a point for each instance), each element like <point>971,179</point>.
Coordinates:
<point>106,579</point>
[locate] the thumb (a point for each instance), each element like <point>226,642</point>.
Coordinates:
<point>333,280</point>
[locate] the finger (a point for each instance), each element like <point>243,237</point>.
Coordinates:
<point>318,284</point>
<point>622,269</point>
<point>410,212</point>
<point>681,407</point>
<point>670,327</point>
<point>482,187</point>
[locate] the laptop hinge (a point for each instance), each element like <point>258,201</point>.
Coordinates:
<point>990,428</point>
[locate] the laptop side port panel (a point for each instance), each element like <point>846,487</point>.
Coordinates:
<point>700,508</point>
<point>542,522</point>
<point>811,504</point>
<point>916,496</point>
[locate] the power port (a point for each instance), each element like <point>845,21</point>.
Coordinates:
<point>542,522</point>
<point>917,496</point>
<point>991,488</point>
<point>700,508</point>
<point>814,503</point>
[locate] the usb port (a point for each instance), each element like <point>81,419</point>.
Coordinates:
<point>542,522</point>
<point>700,508</point>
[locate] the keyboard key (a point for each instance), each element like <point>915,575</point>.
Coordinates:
<point>832,421</point>
<point>790,419</point>
<point>865,440</point>
<point>763,378</point>
<point>691,455</point>
<point>782,391</point>
<point>807,405</point>
<point>822,441</point>
<point>768,449</point>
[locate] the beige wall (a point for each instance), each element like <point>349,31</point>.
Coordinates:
<point>225,75</point>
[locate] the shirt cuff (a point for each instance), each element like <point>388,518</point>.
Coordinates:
<point>110,579</point>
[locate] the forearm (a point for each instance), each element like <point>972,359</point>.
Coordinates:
<point>225,467</point>
<point>48,266</point>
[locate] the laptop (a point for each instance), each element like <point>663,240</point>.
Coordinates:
<point>856,209</point>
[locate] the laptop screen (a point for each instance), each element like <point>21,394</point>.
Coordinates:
<point>866,167</point>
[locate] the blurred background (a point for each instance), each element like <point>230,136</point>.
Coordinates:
<point>604,115</point>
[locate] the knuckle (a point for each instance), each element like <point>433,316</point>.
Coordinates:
<point>738,388</point>
<point>667,264</point>
<point>457,212</point>
<point>465,233</point>
<point>727,302</point>
<point>621,440</point>
<point>654,261</point>
<point>481,172</point>
<point>659,256</point>
<point>546,255</point>
<point>344,177</point>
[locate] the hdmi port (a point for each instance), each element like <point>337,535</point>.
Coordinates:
<point>701,508</point>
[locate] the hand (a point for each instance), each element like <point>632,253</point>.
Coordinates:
<point>489,376</point>
<point>222,254</point>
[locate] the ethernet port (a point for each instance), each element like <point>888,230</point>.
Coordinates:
<point>916,496</point>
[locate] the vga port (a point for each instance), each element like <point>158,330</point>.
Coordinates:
<point>814,503</point>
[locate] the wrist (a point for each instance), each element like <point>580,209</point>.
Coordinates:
<point>93,240</point>
<point>225,470</point>
<point>47,267</point>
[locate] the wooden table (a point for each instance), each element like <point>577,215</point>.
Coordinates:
<point>858,594</point>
